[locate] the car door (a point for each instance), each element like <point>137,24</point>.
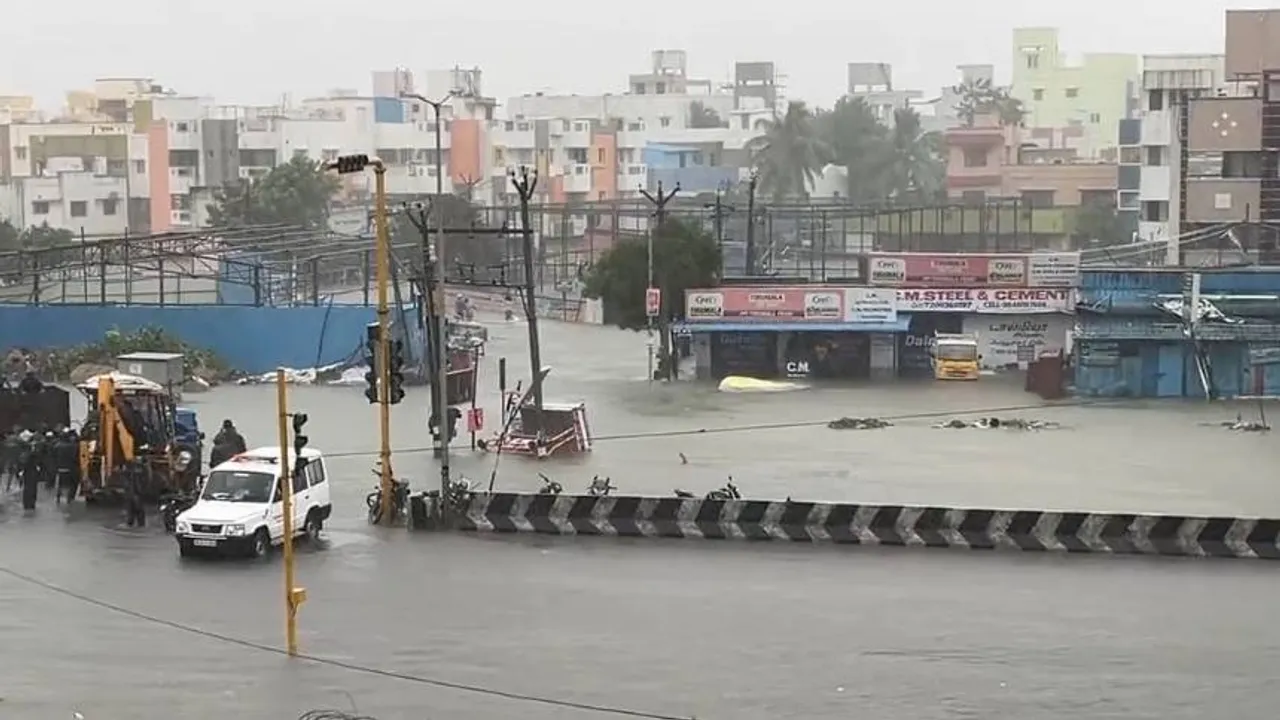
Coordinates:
<point>276,522</point>
<point>301,498</point>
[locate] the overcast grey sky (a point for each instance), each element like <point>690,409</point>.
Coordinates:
<point>249,51</point>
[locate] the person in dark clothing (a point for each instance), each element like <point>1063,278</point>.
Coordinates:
<point>135,485</point>
<point>30,475</point>
<point>10,453</point>
<point>66,459</point>
<point>226,444</point>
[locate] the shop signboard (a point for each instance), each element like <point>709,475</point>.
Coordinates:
<point>765,304</point>
<point>996,301</point>
<point>962,270</point>
<point>871,305</point>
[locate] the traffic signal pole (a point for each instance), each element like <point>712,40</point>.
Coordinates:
<point>382,358</point>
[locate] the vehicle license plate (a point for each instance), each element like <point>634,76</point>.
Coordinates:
<point>206,543</point>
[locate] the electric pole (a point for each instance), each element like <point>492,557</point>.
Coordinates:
<point>525,182</point>
<point>751,223</point>
<point>660,201</point>
<point>719,209</point>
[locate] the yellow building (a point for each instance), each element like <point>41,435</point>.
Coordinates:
<point>1094,95</point>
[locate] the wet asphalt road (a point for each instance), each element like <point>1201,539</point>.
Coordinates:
<point>679,628</point>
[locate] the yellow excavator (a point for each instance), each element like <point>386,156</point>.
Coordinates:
<point>133,428</point>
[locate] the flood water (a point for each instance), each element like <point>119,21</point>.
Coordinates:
<point>679,629</point>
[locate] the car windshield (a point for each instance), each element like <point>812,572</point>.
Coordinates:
<point>236,486</point>
<point>956,351</point>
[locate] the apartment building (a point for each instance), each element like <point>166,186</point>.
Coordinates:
<point>1093,95</point>
<point>990,160</point>
<point>1152,153</point>
<point>873,84</point>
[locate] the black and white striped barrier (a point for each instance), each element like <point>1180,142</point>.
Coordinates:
<point>937,527</point>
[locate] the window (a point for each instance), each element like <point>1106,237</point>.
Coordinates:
<point>1155,100</point>
<point>1155,156</point>
<point>300,480</point>
<point>1072,92</point>
<point>600,155</point>
<point>1242,164</point>
<point>1037,94</point>
<point>1129,200</point>
<point>182,127</point>
<point>1038,198</point>
<point>975,158</point>
<point>40,207</point>
<point>665,122</point>
<point>1155,211</point>
<point>1130,155</point>
<point>1098,198</point>
<point>109,206</point>
<point>79,208</point>
<point>638,88</point>
<point>635,127</point>
<point>140,166</point>
<point>1033,60</point>
<point>1094,118</point>
<point>20,152</point>
<point>660,88</point>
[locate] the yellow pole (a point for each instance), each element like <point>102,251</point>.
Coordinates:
<point>292,596</point>
<point>383,261</point>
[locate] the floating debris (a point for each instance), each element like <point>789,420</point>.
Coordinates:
<point>852,423</point>
<point>994,423</point>
<point>1242,425</point>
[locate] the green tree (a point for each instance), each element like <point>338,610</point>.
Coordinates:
<point>9,236</point>
<point>701,116</point>
<point>296,193</point>
<point>1096,223</point>
<point>859,143</point>
<point>684,257</point>
<point>915,169</point>
<point>791,153</point>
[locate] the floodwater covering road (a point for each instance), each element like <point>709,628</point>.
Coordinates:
<point>679,629</point>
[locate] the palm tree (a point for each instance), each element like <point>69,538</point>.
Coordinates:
<point>915,169</point>
<point>790,154</point>
<point>973,98</point>
<point>859,144</point>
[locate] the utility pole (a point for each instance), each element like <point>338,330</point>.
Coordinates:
<point>719,208</point>
<point>751,223</point>
<point>440,382</point>
<point>525,182</point>
<point>660,201</point>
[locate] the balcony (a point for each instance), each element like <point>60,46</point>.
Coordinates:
<point>572,133</point>
<point>1155,183</point>
<point>577,178</point>
<point>694,179</point>
<point>1157,128</point>
<point>976,136</point>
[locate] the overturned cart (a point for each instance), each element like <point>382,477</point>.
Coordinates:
<point>133,432</point>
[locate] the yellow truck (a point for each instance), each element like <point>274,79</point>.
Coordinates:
<point>955,356</point>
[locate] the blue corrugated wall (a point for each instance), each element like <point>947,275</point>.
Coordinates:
<point>253,339</point>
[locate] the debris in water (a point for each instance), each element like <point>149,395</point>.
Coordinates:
<point>995,423</point>
<point>852,423</point>
<point>1242,425</point>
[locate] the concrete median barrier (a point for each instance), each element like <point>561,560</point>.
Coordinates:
<point>895,525</point>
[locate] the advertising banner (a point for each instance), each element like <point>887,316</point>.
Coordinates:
<point>871,305</point>
<point>1021,301</point>
<point>764,304</point>
<point>939,270</point>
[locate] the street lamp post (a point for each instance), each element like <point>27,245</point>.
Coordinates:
<point>441,380</point>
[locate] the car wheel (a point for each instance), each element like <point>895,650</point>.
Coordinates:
<point>261,546</point>
<point>313,527</point>
<point>185,550</point>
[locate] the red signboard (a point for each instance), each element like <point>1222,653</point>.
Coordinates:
<point>957,270</point>
<point>652,302</point>
<point>814,304</point>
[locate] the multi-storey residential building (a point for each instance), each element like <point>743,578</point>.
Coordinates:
<point>873,84</point>
<point>1230,170</point>
<point>1151,155</point>
<point>1094,95</point>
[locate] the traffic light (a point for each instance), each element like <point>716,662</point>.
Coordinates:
<point>346,164</point>
<point>299,440</point>
<point>371,354</point>
<point>395,372</point>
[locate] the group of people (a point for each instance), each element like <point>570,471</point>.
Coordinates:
<point>32,457</point>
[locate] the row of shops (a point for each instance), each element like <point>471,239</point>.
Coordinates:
<point>866,332</point>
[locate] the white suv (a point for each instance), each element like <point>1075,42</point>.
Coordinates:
<point>240,510</point>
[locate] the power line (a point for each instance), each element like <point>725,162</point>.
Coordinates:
<point>328,662</point>
<point>659,434</point>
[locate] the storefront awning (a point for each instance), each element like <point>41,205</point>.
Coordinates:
<point>902,324</point>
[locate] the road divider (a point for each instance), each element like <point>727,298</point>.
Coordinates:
<point>894,525</point>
